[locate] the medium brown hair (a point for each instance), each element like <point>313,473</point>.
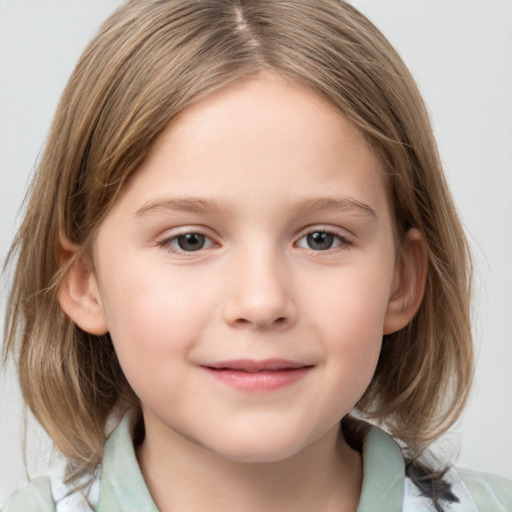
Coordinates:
<point>149,61</point>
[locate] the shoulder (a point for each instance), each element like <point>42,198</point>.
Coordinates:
<point>53,494</point>
<point>36,497</point>
<point>490,492</point>
<point>469,491</point>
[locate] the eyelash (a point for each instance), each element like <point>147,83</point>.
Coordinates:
<point>168,241</point>
<point>344,242</point>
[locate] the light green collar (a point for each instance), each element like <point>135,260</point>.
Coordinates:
<point>123,488</point>
<point>383,474</point>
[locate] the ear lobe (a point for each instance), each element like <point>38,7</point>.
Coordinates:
<point>409,285</point>
<point>78,295</point>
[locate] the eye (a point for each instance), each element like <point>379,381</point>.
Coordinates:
<point>187,242</point>
<point>322,241</point>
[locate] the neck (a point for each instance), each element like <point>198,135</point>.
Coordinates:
<point>183,476</point>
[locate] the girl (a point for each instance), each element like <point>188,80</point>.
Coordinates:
<point>240,254</point>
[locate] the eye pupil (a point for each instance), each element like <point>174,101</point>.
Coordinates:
<point>191,242</point>
<point>320,241</point>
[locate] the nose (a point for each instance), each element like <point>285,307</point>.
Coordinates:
<point>259,293</point>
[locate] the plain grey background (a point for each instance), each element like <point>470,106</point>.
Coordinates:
<point>460,52</point>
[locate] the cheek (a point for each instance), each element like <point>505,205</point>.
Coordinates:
<point>353,343</point>
<point>349,313</point>
<point>153,319</point>
<point>150,303</point>
<point>353,300</point>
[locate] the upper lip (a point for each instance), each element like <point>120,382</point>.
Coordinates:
<point>253,366</point>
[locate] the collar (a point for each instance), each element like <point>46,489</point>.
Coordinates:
<point>123,488</point>
<point>383,473</point>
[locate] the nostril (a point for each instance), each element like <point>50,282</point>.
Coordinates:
<point>281,321</point>
<point>243,321</point>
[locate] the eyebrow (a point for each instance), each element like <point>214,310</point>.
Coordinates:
<point>203,205</point>
<point>333,204</point>
<point>184,204</point>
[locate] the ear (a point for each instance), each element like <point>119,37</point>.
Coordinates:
<point>78,295</point>
<point>409,283</point>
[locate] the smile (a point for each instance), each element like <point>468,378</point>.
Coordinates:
<point>258,376</point>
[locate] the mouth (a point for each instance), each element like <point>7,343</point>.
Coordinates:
<point>258,376</point>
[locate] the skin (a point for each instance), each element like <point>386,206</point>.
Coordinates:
<point>261,163</point>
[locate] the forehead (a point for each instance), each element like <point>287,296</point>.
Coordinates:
<point>260,138</point>
<point>252,104</point>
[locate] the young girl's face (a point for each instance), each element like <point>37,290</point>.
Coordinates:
<point>248,273</point>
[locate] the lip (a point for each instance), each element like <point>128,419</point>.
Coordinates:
<point>258,376</point>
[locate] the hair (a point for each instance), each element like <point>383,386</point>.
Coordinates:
<point>149,61</point>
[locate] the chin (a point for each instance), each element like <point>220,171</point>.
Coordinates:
<point>258,449</point>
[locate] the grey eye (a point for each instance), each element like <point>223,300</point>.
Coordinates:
<point>320,240</point>
<point>191,242</point>
<point>323,241</point>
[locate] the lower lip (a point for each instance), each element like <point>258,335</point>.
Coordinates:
<point>263,381</point>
